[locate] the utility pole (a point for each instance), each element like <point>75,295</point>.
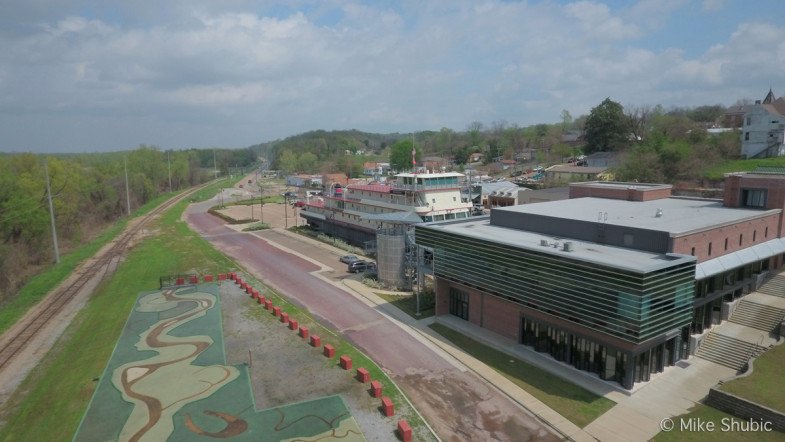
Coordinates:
<point>127,192</point>
<point>169,166</point>
<point>52,215</point>
<point>215,166</point>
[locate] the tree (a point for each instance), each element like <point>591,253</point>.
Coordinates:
<point>401,155</point>
<point>606,127</point>
<point>288,161</point>
<point>566,120</point>
<point>307,162</point>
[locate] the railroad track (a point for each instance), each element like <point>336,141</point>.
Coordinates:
<point>55,302</point>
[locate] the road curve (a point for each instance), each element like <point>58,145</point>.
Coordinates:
<point>457,404</point>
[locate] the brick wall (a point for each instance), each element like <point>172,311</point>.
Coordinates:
<point>761,229</point>
<point>745,409</point>
<point>502,317</point>
<point>620,192</point>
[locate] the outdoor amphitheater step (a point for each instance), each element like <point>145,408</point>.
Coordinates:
<point>725,350</point>
<point>774,287</point>
<point>758,316</point>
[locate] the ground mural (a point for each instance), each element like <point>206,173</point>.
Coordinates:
<point>167,380</point>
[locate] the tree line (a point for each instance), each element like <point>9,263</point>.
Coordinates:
<point>88,194</point>
<point>653,144</point>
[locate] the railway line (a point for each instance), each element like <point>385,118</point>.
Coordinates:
<point>17,338</point>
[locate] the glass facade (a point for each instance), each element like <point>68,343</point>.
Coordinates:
<point>628,305</point>
<point>608,363</point>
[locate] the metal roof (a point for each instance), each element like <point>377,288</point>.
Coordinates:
<point>617,257</point>
<point>679,215</point>
<point>739,258</point>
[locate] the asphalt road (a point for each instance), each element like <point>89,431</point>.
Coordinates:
<point>457,404</point>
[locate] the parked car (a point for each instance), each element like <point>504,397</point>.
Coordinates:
<point>298,204</point>
<point>357,266</point>
<point>371,271</point>
<point>348,259</point>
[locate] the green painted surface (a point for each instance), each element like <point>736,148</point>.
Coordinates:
<point>196,395</point>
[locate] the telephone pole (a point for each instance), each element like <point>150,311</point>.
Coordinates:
<point>169,166</point>
<point>127,192</point>
<point>52,215</point>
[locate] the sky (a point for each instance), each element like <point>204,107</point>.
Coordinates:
<point>89,75</point>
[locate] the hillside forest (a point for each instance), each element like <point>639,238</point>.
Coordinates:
<point>653,144</point>
<point>88,195</point>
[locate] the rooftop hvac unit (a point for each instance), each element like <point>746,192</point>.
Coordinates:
<point>544,242</point>
<point>569,246</point>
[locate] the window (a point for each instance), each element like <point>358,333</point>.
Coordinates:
<point>726,243</point>
<point>741,238</point>
<point>459,303</point>
<point>453,198</point>
<point>693,251</point>
<point>746,136</point>
<point>709,249</point>
<point>766,233</point>
<point>749,121</point>
<point>753,198</point>
<point>754,235</point>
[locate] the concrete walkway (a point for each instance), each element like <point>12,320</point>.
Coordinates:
<point>637,413</point>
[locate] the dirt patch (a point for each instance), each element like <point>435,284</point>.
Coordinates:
<point>460,408</point>
<point>284,369</point>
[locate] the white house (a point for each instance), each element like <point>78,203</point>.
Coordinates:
<point>763,131</point>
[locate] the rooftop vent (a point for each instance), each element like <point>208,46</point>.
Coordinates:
<point>659,213</point>
<point>544,242</point>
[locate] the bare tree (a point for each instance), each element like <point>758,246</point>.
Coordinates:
<point>639,120</point>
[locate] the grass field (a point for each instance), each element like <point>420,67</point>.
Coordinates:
<point>51,401</point>
<point>724,430</point>
<point>717,172</point>
<point>408,304</point>
<point>575,403</point>
<point>764,385</point>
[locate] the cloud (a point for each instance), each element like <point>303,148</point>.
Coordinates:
<point>713,5</point>
<point>242,72</point>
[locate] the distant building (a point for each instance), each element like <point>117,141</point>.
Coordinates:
<point>763,132</point>
<point>602,159</point>
<point>544,195</point>
<point>510,195</point>
<point>568,174</point>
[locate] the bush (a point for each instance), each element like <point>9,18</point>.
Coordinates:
<point>256,226</point>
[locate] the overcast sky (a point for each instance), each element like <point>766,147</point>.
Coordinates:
<point>89,75</point>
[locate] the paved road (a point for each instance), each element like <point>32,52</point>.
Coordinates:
<point>458,404</point>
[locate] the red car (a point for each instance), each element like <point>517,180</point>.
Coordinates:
<point>298,204</point>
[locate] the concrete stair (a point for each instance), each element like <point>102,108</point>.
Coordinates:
<point>774,286</point>
<point>730,352</point>
<point>758,316</point>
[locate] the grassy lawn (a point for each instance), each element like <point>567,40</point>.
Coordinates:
<point>716,172</point>
<point>575,403</point>
<point>764,385</point>
<point>723,430</point>
<point>51,401</point>
<point>408,304</point>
